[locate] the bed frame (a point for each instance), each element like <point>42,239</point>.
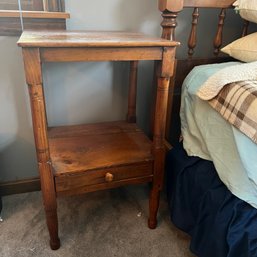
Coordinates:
<point>170,10</point>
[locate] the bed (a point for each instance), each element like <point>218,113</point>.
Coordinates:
<point>212,172</point>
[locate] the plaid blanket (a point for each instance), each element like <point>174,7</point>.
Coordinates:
<point>232,92</point>
<point>237,103</point>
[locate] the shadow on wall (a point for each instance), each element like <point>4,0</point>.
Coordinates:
<point>85,92</point>
<point>143,16</point>
<point>120,86</point>
<point>127,15</point>
<point>92,92</point>
<point>17,158</point>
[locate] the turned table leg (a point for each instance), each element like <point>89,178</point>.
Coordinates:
<point>50,205</point>
<point>32,65</point>
<point>165,70</point>
<point>158,149</point>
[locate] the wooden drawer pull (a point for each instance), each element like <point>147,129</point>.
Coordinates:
<point>108,177</point>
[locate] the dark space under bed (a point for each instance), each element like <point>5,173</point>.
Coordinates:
<point>219,223</point>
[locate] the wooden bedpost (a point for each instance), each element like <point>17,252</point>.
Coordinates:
<point>164,91</point>
<point>170,10</point>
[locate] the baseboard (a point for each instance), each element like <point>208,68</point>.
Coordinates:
<point>20,186</point>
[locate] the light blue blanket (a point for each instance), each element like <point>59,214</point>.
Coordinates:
<point>207,135</point>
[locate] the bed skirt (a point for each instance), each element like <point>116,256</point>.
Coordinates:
<point>219,223</point>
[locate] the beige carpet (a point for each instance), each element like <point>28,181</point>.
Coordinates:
<point>101,224</point>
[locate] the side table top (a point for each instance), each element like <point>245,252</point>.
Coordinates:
<point>90,39</point>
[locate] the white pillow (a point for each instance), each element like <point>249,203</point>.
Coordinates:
<point>243,49</point>
<point>247,9</point>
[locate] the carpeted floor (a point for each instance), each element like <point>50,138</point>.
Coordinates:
<point>101,224</point>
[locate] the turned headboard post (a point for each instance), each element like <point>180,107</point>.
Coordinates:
<point>170,10</point>
<point>218,38</point>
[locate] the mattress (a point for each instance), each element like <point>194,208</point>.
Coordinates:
<point>208,136</point>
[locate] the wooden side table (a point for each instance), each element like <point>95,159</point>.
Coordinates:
<point>90,157</point>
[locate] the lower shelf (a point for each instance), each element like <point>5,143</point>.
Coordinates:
<point>99,156</point>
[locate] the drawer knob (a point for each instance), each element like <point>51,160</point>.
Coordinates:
<point>108,177</point>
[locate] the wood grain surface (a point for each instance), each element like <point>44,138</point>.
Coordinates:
<point>89,38</point>
<point>81,148</point>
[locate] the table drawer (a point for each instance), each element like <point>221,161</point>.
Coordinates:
<point>93,180</point>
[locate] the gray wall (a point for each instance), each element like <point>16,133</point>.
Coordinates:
<point>80,92</point>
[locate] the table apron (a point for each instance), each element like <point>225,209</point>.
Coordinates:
<point>100,54</point>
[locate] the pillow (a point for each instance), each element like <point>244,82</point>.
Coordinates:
<point>243,49</point>
<point>247,9</point>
